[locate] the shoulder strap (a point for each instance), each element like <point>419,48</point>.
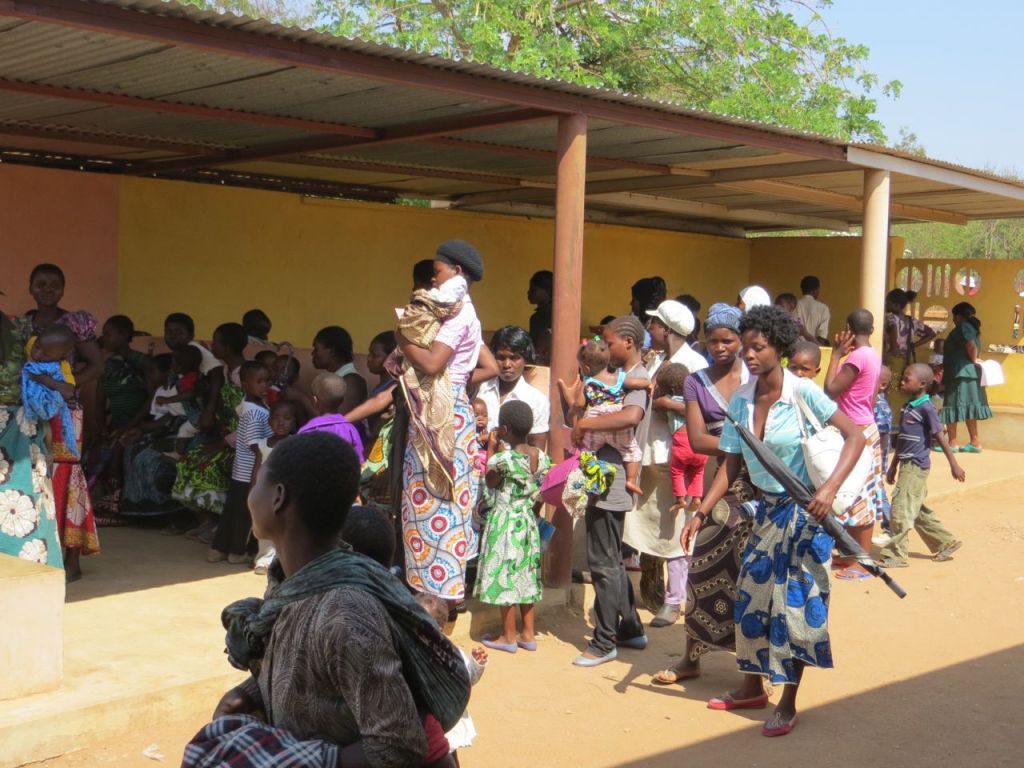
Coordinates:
<point>807,415</point>
<point>712,389</point>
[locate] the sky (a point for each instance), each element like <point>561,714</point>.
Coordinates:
<point>960,64</point>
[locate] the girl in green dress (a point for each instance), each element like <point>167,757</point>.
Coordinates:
<point>509,570</point>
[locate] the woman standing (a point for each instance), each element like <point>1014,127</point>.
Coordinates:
<point>28,527</point>
<point>76,521</point>
<point>715,563</point>
<point>903,333</point>
<point>437,523</point>
<point>783,589</point>
<point>332,351</point>
<point>852,381</point>
<point>513,351</point>
<point>965,399</point>
<point>653,528</point>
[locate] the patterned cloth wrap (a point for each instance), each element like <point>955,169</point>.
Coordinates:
<point>42,403</point>
<point>429,397</point>
<point>593,477</point>
<point>243,741</point>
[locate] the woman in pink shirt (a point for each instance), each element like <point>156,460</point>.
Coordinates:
<point>436,522</point>
<point>852,381</point>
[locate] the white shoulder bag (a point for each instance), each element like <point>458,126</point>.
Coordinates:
<point>821,446</point>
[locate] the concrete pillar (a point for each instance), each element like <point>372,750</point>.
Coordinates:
<point>565,331</point>
<point>874,255</point>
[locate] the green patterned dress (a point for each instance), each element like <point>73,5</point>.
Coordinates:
<point>509,570</point>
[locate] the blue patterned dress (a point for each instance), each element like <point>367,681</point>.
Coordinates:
<point>783,587</point>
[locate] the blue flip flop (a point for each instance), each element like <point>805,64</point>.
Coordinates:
<point>583,661</point>
<point>527,646</point>
<point>494,645</point>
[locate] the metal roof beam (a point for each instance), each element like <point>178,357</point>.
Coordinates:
<point>925,170</point>
<point>804,194</point>
<point>608,162</point>
<point>168,29</point>
<point>65,133</point>
<point>418,171</point>
<point>177,108</point>
<point>653,203</point>
<point>397,134</point>
<point>665,182</point>
<point>623,219</point>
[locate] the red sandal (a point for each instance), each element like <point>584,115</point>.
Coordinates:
<point>727,702</point>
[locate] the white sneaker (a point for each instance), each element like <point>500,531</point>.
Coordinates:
<point>881,540</point>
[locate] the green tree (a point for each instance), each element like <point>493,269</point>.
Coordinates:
<point>770,60</point>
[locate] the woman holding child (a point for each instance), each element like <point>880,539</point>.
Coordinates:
<point>783,589</point>
<point>437,517</point>
<point>653,528</point>
<point>76,521</point>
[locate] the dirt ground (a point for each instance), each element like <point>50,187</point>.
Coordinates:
<point>921,682</point>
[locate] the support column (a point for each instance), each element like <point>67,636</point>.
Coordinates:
<point>565,330</point>
<point>874,255</point>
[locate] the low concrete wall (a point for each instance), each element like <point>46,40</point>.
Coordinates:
<point>32,643</point>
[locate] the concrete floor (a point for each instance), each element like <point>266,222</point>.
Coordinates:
<point>143,634</point>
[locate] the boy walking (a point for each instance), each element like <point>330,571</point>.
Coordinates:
<point>919,425</point>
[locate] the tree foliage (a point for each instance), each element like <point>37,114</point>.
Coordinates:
<point>769,60</point>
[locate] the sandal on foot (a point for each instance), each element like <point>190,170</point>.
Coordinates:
<point>727,702</point>
<point>527,645</point>
<point>495,645</point>
<point>778,726</point>
<point>852,574</point>
<point>671,677</point>
<point>970,448</point>
<point>946,553</point>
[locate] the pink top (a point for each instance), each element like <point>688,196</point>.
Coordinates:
<point>462,333</point>
<point>858,401</point>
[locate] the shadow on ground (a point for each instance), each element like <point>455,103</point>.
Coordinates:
<point>923,720</point>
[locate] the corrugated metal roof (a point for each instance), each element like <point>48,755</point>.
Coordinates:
<point>247,97</point>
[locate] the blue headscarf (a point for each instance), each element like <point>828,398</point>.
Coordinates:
<point>722,315</point>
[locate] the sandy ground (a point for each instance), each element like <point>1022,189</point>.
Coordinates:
<point>921,682</point>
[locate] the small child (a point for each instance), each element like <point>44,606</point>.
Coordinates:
<point>604,392</point>
<point>266,358</point>
<point>805,361</point>
<point>883,420</point>
<point>328,398</point>
<point>935,361</point>
<point>509,566</point>
<point>48,385</point>
<point>463,733</point>
<point>480,415</point>
<point>788,302</point>
<point>231,539</point>
<point>369,531</point>
<point>181,398</point>
<point>284,421</point>
<point>919,425</point>
<point>685,466</point>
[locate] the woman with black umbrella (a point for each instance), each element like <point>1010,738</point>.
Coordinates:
<point>783,587</point>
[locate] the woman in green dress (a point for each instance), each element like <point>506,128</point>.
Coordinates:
<point>965,398</point>
<point>509,570</point>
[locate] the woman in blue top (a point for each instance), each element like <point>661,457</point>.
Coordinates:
<point>783,587</point>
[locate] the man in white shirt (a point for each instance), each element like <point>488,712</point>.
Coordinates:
<point>814,315</point>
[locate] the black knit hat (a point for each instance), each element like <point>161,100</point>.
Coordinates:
<point>461,254</point>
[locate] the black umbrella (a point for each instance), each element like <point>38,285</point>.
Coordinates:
<point>802,495</point>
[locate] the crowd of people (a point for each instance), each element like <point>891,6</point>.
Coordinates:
<point>376,509</point>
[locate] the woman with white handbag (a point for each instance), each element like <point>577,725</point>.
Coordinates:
<point>783,588</point>
<point>852,381</point>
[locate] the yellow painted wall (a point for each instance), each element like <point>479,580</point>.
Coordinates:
<point>215,252</point>
<point>779,263</point>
